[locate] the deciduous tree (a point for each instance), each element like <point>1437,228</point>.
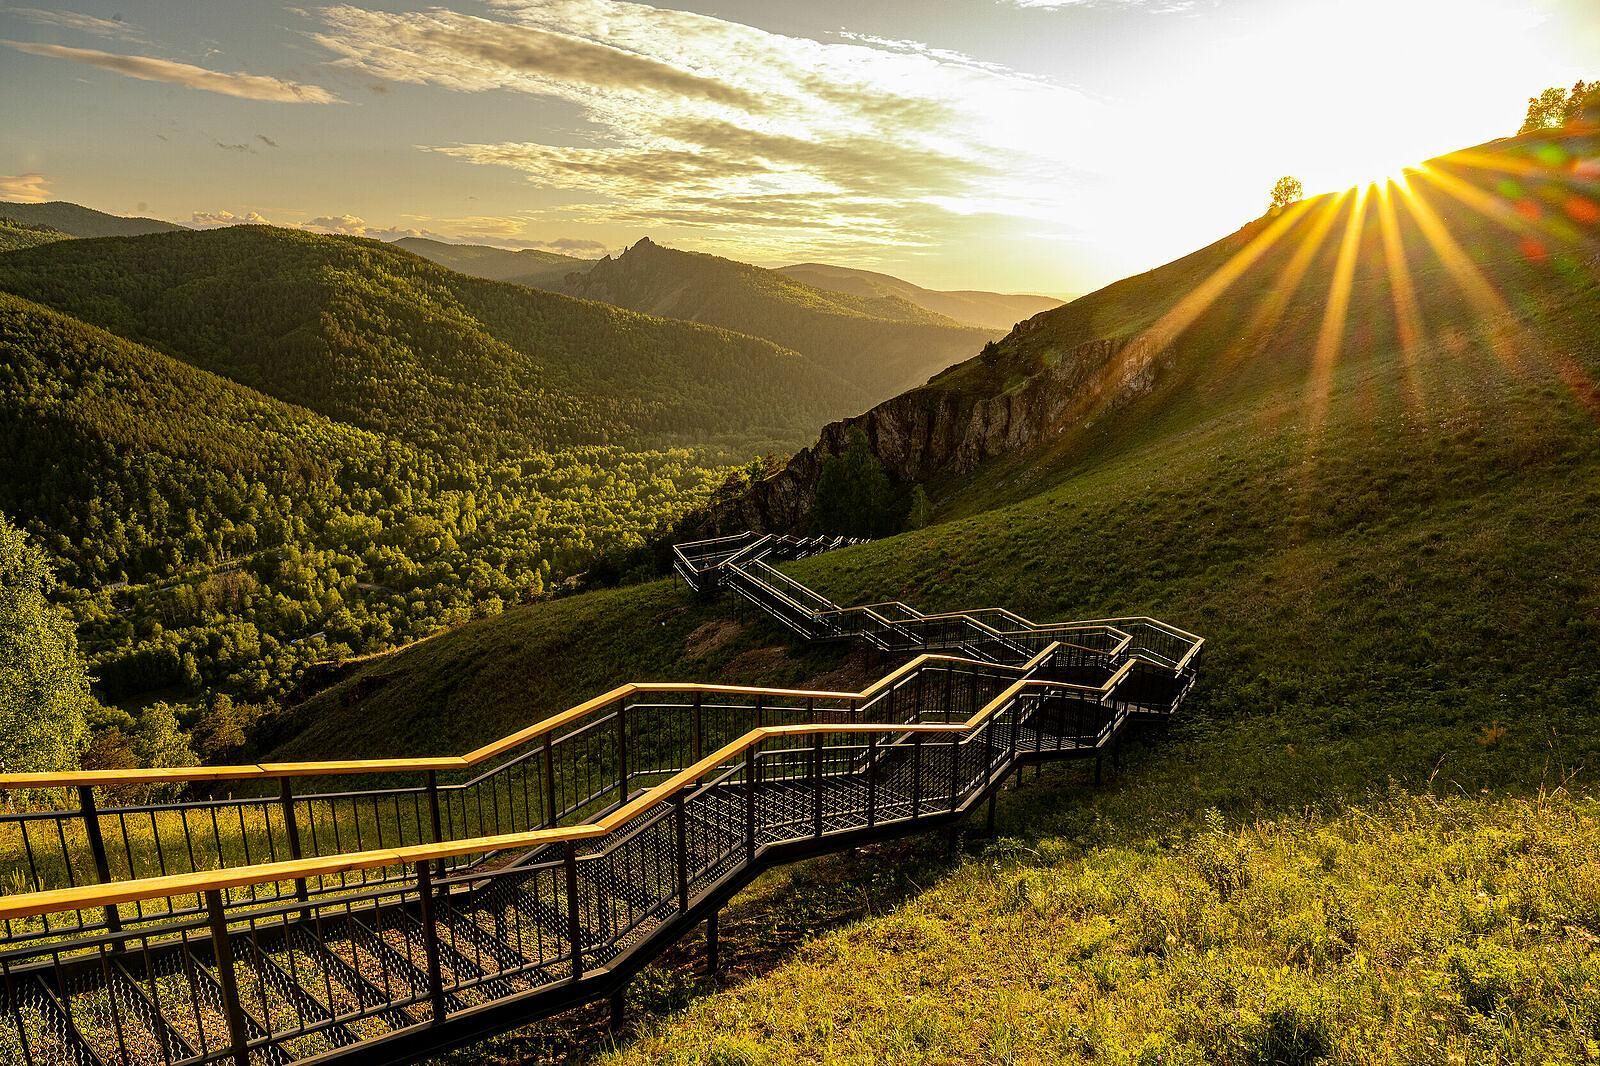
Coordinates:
<point>44,686</point>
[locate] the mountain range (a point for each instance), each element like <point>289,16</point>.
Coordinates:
<point>881,344</point>
<point>527,266</point>
<point>383,340</point>
<point>989,310</point>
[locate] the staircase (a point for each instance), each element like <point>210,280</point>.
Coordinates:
<point>433,902</point>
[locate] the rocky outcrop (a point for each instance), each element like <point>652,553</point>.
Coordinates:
<point>943,429</point>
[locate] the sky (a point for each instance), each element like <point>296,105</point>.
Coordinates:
<point>1045,146</point>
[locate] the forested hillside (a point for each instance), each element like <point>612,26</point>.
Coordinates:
<point>214,539</point>
<point>988,310</point>
<point>15,235</point>
<point>881,344</point>
<point>78,221</point>
<point>375,337</point>
<point>525,266</point>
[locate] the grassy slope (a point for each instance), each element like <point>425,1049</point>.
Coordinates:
<point>382,339</point>
<point>1368,836</point>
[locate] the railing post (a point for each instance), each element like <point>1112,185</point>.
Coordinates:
<point>97,850</point>
<point>697,730</point>
<point>436,822</point>
<point>751,773</point>
<point>291,830</point>
<point>681,826</point>
<point>622,751</point>
<point>550,778</point>
<point>227,980</point>
<point>574,928</point>
<point>430,940</point>
<point>872,780</point>
<point>816,785</point>
<point>988,747</point>
<point>916,775</point>
<point>713,943</point>
<point>955,770</point>
<point>949,685</point>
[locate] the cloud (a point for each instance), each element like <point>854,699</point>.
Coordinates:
<point>768,143</point>
<point>24,188</point>
<point>72,20</point>
<point>216,219</point>
<point>355,226</point>
<point>145,68</point>
<point>268,141</point>
<point>473,54</point>
<point>234,147</point>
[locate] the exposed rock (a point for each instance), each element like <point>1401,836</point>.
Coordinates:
<point>940,430</point>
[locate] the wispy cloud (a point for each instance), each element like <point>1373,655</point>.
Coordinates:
<point>24,188</point>
<point>72,20</point>
<point>268,141</point>
<point>146,68</point>
<point>216,219</point>
<point>765,142</point>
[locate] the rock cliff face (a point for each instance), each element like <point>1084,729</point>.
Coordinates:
<point>950,427</point>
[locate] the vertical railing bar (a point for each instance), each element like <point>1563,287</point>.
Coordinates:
<point>816,784</point>
<point>574,926</point>
<point>227,980</point>
<point>430,941</point>
<point>97,849</point>
<point>291,832</point>
<point>435,822</point>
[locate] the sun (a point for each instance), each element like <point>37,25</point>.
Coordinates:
<point>1353,92</point>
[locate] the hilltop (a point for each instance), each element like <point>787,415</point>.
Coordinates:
<point>1361,466</point>
<point>1235,326</point>
<point>881,344</point>
<point>77,221</point>
<point>525,266</point>
<point>987,310</point>
<point>370,335</point>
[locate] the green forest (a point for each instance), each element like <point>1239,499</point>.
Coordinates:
<point>211,540</point>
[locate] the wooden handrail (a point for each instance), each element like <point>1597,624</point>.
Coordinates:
<point>162,775</point>
<point>107,895</point>
<point>89,896</point>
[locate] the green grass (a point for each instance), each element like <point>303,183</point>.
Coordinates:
<point>1371,834</point>
<point>1410,929</point>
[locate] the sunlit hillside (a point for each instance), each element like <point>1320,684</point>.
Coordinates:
<point>1361,463</point>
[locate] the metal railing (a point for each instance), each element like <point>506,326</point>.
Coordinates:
<point>386,921</point>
